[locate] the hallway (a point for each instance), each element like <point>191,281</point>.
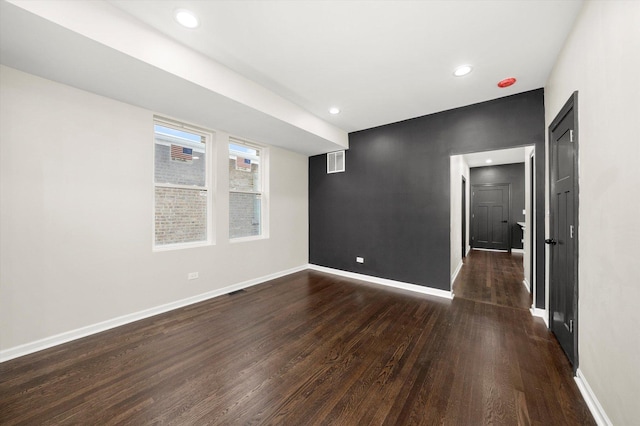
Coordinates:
<point>494,278</point>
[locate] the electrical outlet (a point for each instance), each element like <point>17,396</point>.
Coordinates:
<point>524,212</point>
<point>192,276</point>
<point>360,259</point>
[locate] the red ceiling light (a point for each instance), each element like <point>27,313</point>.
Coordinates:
<point>506,82</point>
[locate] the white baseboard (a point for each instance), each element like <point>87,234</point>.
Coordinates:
<point>590,398</point>
<point>517,251</point>
<point>383,281</point>
<point>67,336</point>
<point>526,284</point>
<point>542,313</point>
<point>497,251</point>
<point>456,272</point>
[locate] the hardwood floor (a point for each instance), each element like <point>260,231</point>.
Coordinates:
<point>305,349</point>
<point>493,277</point>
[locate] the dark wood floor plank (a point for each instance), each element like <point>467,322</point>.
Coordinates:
<point>312,349</point>
<point>493,277</point>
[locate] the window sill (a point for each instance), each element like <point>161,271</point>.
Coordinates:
<point>171,247</point>
<point>245,239</point>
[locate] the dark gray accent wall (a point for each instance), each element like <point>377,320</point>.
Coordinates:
<point>391,205</point>
<point>512,174</point>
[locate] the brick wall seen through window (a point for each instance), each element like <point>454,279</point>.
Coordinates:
<point>181,186</point>
<point>245,191</point>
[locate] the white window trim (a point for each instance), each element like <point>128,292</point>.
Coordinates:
<point>209,184</point>
<point>180,246</point>
<point>264,195</point>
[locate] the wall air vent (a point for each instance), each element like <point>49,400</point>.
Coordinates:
<point>335,162</point>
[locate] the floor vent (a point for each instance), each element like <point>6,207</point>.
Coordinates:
<point>233,293</point>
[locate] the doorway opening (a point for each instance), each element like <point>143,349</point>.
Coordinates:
<point>471,171</point>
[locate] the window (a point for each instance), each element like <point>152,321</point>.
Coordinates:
<point>247,198</point>
<point>181,180</point>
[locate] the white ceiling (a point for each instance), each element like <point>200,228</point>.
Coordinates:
<point>503,156</point>
<point>378,61</point>
<point>269,70</point>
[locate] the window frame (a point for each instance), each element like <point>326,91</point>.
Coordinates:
<point>209,183</point>
<point>263,193</point>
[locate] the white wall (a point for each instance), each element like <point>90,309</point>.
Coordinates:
<point>601,59</point>
<point>458,168</point>
<point>527,218</point>
<point>76,207</point>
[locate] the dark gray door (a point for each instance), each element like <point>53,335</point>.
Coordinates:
<point>564,230</point>
<point>490,216</point>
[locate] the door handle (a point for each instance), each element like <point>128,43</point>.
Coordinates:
<point>505,221</point>
<point>551,241</point>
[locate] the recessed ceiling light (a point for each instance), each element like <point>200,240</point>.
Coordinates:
<point>462,70</point>
<point>489,161</point>
<point>186,18</point>
<point>334,110</point>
